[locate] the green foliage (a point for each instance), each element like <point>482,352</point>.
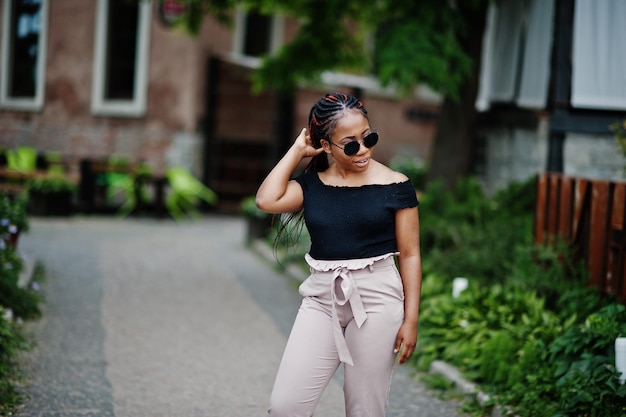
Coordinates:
<point>465,233</point>
<point>554,276</point>
<point>16,302</point>
<point>127,184</point>
<point>13,214</point>
<point>24,302</point>
<point>527,356</point>
<point>595,335</point>
<point>51,184</point>
<point>498,353</point>
<point>413,168</point>
<point>575,374</point>
<point>186,192</point>
<point>323,42</point>
<point>458,330</point>
<point>22,158</point>
<point>11,342</point>
<point>528,328</point>
<point>332,35</point>
<point>409,50</point>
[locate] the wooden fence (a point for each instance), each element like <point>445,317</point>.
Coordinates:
<point>591,215</point>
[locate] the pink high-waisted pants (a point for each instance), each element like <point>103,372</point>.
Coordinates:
<point>351,312</point>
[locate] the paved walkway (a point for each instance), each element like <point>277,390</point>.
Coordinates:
<point>152,318</point>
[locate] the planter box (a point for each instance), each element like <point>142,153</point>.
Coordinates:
<point>258,228</point>
<point>51,204</point>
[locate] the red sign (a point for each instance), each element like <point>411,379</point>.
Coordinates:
<point>170,11</point>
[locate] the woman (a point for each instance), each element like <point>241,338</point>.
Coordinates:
<point>358,307</point>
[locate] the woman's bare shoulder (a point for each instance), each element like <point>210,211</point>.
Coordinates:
<point>389,176</point>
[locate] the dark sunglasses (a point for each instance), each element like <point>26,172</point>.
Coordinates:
<point>352,148</point>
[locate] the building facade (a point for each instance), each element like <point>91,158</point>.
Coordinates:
<point>553,82</point>
<point>101,78</point>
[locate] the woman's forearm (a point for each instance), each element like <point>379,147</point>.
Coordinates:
<point>275,184</point>
<point>276,194</point>
<point>411,272</point>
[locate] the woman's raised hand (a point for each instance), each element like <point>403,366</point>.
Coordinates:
<point>279,194</point>
<point>305,144</point>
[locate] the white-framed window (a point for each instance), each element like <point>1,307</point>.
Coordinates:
<point>23,64</point>
<point>256,34</point>
<point>515,65</point>
<point>599,56</point>
<point>120,73</point>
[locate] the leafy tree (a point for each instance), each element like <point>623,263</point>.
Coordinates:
<point>402,42</point>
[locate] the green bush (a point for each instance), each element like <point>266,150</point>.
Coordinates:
<point>16,303</point>
<point>528,330</point>
<point>465,233</point>
<point>22,301</point>
<point>13,214</point>
<point>497,357</point>
<point>11,342</point>
<point>552,273</point>
<point>51,184</point>
<point>575,374</point>
<point>523,354</point>
<point>458,330</point>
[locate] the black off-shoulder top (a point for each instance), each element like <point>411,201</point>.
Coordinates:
<point>352,222</point>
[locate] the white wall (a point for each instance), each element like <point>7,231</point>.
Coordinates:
<point>185,151</point>
<point>514,154</point>
<point>593,157</point>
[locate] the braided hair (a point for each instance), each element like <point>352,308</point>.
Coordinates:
<point>323,119</point>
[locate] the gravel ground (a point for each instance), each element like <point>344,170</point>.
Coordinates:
<point>152,318</point>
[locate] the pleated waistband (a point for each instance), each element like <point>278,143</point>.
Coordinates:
<point>343,290</point>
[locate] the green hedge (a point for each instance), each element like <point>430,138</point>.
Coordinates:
<point>528,329</point>
<point>17,303</point>
<point>11,342</point>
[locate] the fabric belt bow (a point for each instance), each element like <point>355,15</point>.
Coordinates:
<point>343,290</point>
